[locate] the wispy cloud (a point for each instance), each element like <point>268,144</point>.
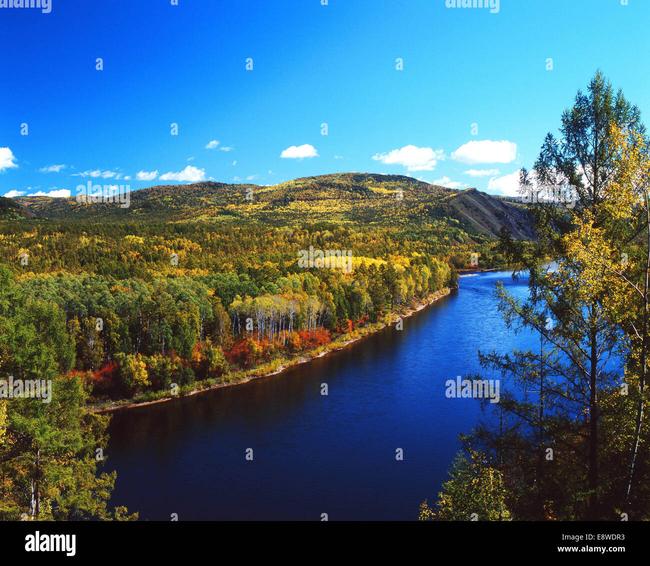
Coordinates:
<point>7,159</point>
<point>216,144</point>
<point>98,173</point>
<point>486,151</point>
<point>413,158</point>
<point>53,168</point>
<point>190,174</point>
<point>305,151</point>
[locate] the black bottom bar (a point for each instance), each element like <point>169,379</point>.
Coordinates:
<point>188,540</point>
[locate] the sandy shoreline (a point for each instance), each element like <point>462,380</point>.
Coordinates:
<point>124,405</point>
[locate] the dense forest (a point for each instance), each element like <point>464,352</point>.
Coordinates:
<point>197,286</point>
<point>569,439</point>
<point>143,332</point>
<point>160,295</point>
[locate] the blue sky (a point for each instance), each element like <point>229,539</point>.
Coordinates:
<point>470,107</point>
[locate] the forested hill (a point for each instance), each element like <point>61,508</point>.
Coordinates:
<point>206,284</point>
<point>11,210</point>
<point>351,198</point>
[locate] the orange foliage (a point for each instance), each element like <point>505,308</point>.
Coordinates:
<point>314,338</point>
<point>247,352</point>
<point>243,353</point>
<point>294,342</point>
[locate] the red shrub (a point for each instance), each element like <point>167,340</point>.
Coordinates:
<point>314,338</point>
<point>105,380</point>
<point>243,353</point>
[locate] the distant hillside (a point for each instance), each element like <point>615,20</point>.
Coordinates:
<point>12,210</point>
<point>486,214</point>
<point>353,198</point>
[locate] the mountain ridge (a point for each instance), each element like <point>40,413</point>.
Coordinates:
<point>346,197</point>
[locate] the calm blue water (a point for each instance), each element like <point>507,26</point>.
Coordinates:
<point>318,454</point>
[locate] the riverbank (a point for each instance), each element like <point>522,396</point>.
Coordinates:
<point>477,270</point>
<point>276,366</point>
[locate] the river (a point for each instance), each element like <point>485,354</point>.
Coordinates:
<point>313,453</point>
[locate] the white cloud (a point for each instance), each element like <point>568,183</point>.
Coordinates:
<point>507,185</point>
<point>299,152</point>
<point>486,151</point>
<point>189,174</point>
<point>146,175</point>
<point>412,157</point>
<point>482,172</point>
<point>447,182</point>
<point>214,144</point>
<point>52,168</point>
<point>14,193</point>
<point>7,159</point>
<point>56,193</point>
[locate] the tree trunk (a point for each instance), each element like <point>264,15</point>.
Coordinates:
<point>593,425</point>
<point>644,352</point>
